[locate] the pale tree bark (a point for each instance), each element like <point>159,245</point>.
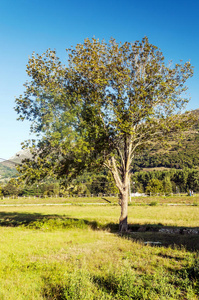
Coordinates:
<point>121,176</point>
<point>123,223</point>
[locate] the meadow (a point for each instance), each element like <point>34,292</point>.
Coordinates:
<point>180,199</point>
<point>75,251</point>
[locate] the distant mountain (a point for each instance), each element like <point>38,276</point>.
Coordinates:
<point>8,167</point>
<point>19,156</point>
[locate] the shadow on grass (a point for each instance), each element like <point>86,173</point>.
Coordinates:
<point>166,236</point>
<point>151,234</point>
<point>106,200</point>
<point>37,221</point>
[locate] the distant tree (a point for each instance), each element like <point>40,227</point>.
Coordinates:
<point>138,188</point>
<point>180,177</point>
<point>50,189</point>
<point>28,191</point>
<point>167,186</point>
<point>193,180</point>
<point>10,189</point>
<point>1,194</point>
<point>154,186</point>
<point>111,102</point>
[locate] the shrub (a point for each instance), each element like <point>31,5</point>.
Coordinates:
<point>154,186</point>
<point>10,189</point>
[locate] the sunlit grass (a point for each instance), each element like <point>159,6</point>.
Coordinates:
<point>41,264</point>
<point>182,199</point>
<point>167,215</point>
<point>71,252</point>
<point>59,200</point>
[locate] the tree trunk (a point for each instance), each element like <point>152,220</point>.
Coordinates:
<point>122,183</point>
<point>123,225</point>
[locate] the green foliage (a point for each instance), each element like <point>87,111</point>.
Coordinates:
<point>90,183</point>
<point>154,186</point>
<point>59,223</point>
<point>173,180</point>
<point>167,186</point>
<point>153,203</point>
<point>112,102</point>
<point>111,96</point>
<point>7,172</point>
<point>86,184</point>
<point>178,155</point>
<point>10,189</point>
<point>46,188</point>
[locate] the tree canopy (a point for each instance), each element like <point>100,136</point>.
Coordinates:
<point>109,103</point>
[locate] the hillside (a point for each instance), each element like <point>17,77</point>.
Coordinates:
<point>7,171</point>
<point>179,155</point>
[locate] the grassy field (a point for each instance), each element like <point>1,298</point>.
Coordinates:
<point>75,252</point>
<point>181,199</point>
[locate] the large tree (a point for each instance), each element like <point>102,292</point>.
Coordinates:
<point>110,102</point>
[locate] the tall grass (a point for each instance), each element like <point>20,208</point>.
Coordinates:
<point>72,253</point>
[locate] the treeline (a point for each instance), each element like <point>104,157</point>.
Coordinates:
<point>12,188</point>
<point>169,181</point>
<point>153,182</point>
<point>86,184</point>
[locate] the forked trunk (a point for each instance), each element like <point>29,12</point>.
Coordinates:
<point>122,183</point>
<point>123,225</point>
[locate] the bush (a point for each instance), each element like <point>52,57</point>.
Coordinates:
<point>10,189</point>
<point>154,186</point>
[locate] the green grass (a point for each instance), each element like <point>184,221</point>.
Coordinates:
<point>165,215</point>
<point>74,252</point>
<point>61,200</point>
<point>103,200</point>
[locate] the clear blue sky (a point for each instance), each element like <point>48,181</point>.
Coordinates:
<point>27,26</point>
